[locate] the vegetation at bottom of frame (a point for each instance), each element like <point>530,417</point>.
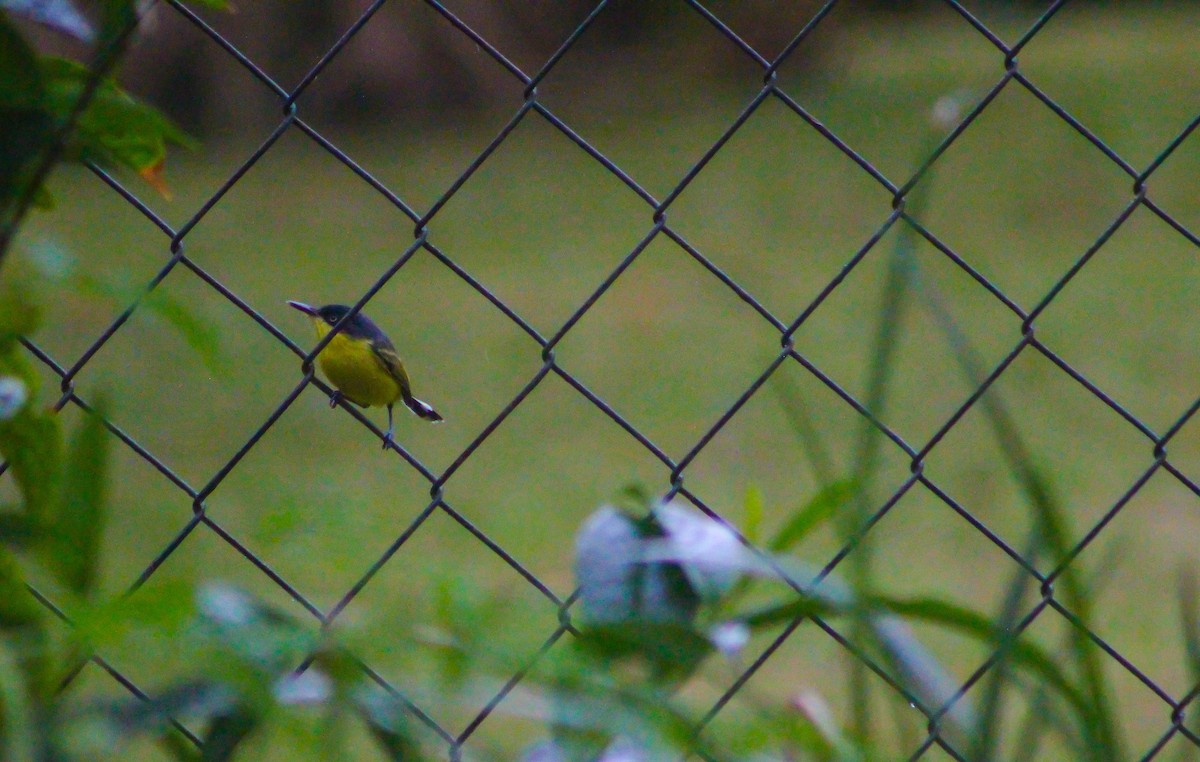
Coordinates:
<point>665,593</point>
<point>676,610</point>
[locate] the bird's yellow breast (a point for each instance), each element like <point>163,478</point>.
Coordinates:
<point>352,366</point>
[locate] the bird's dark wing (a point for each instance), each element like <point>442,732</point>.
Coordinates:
<point>386,353</point>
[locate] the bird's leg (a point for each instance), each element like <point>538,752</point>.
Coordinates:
<point>335,398</point>
<point>387,437</point>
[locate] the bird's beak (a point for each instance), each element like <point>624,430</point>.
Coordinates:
<point>311,311</point>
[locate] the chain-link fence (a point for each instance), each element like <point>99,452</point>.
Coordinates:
<point>658,225</point>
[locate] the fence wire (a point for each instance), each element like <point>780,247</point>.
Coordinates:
<point>658,225</point>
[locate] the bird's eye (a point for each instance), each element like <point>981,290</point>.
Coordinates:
<point>331,320</point>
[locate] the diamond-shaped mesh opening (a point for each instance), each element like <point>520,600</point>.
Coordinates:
<point>1131,361</point>
<point>149,650</point>
<point>101,251</point>
<point>669,368</point>
<point>649,244</point>
<point>939,305</point>
<point>1007,221</point>
<point>412,611</point>
<point>779,198</point>
<point>294,493</point>
<point>1141,553</point>
<point>645,85</point>
<point>210,394</point>
<point>331,232</point>
<point>792,440</point>
<point>873,69</point>
<point>370,94</point>
<point>540,223</point>
<point>555,431</point>
<point>1162,48</point>
<point>1067,432</point>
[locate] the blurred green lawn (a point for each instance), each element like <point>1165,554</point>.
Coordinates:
<point>1021,196</point>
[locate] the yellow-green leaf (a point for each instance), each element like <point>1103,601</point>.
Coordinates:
<point>116,129</point>
<point>78,526</point>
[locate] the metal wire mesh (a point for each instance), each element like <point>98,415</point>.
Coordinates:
<point>658,225</point>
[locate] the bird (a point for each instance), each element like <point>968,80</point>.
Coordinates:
<point>362,364</point>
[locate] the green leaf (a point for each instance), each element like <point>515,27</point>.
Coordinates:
<point>97,730</point>
<point>1023,654</point>
<point>18,742</point>
<point>179,746</point>
<point>16,529</point>
<point>25,127</point>
<point>818,733</point>
<point>754,510</point>
<point>593,718</point>
<point>388,721</point>
<point>19,316</point>
<point>162,611</point>
<point>805,606</point>
<point>21,626</point>
<point>115,129</point>
<point>823,506</point>
<point>673,651</point>
<point>199,335</point>
<point>117,17</point>
<point>31,443</point>
<point>986,734</point>
<point>17,607</point>
<point>24,124</point>
<point>74,551</point>
<point>15,364</point>
<point>202,337</point>
<point>224,734</point>
<point>59,15</point>
<point>1189,612</point>
<point>20,80</point>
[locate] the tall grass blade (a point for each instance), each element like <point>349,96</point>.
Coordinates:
<point>1189,612</point>
<point>1096,720</point>
<point>807,432</point>
<point>986,735</point>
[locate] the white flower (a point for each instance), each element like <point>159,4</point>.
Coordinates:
<point>308,688</point>
<point>730,638</point>
<point>13,395</point>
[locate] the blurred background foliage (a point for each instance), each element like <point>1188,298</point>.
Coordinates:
<point>412,68</point>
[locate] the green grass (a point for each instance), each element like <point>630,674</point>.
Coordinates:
<point>1020,196</point>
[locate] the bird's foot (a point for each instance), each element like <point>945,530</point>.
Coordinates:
<point>335,398</point>
<point>387,440</point>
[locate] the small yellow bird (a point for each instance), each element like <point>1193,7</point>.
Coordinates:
<point>362,363</point>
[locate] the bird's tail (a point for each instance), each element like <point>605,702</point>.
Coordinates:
<point>422,409</point>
